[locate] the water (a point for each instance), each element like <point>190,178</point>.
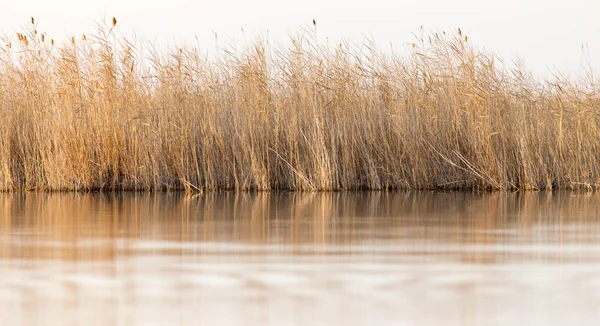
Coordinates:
<point>300,259</point>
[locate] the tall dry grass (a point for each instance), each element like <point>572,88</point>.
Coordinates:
<point>103,112</point>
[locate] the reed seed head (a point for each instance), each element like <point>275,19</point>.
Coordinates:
<point>114,21</point>
<point>103,147</point>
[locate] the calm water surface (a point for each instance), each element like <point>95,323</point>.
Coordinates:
<point>300,259</point>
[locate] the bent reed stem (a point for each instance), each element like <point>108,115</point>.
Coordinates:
<point>104,113</point>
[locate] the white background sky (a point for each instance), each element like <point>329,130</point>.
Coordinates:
<point>547,34</point>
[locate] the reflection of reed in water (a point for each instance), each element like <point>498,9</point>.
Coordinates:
<point>103,226</point>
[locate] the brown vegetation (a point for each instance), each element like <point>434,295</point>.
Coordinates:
<point>97,114</point>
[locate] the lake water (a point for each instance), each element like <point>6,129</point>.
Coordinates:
<point>300,259</point>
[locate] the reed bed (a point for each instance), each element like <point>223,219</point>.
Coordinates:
<point>103,112</point>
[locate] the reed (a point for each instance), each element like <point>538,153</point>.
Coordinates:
<point>99,113</point>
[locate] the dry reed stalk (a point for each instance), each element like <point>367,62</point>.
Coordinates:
<point>97,115</point>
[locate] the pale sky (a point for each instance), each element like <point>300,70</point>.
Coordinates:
<point>546,34</point>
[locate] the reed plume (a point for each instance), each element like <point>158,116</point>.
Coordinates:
<point>109,113</point>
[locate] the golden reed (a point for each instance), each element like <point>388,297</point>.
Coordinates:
<point>100,115</point>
